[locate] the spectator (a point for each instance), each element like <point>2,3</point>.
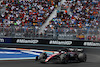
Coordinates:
<point>29,12</point>
<point>78,14</point>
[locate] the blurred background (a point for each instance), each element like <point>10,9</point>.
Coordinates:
<point>50,19</point>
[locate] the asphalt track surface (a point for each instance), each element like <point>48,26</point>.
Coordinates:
<point>93,60</point>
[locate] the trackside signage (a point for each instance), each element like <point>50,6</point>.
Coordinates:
<point>5,40</point>
<point>1,40</point>
<point>60,42</point>
<point>26,41</point>
<point>50,42</point>
<point>91,44</point>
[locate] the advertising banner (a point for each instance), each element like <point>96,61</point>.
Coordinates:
<point>56,42</point>
<point>5,40</point>
<point>49,42</point>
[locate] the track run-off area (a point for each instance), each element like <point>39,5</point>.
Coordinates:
<point>25,58</point>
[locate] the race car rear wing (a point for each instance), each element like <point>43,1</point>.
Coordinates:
<point>76,49</point>
<point>71,49</point>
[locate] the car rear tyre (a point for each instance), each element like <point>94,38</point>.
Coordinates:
<point>82,57</point>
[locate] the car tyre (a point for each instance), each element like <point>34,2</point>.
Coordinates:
<point>82,57</point>
<point>42,57</point>
<point>63,58</point>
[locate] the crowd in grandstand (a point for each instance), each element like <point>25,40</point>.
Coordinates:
<point>85,14</point>
<point>27,12</point>
<point>0,6</point>
<point>77,16</point>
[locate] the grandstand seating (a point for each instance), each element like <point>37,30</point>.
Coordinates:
<point>27,12</point>
<point>85,14</point>
<point>27,15</point>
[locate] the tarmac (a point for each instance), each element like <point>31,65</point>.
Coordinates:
<point>93,60</point>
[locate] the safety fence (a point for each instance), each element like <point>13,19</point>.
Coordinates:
<point>63,33</point>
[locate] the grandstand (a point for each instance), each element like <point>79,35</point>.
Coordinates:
<point>57,19</point>
<point>78,19</point>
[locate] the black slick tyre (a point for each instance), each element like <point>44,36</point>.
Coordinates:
<point>42,57</point>
<point>82,57</point>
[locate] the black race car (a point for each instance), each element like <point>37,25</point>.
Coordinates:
<point>63,56</point>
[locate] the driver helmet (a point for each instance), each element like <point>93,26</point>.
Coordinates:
<point>66,49</point>
<point>61,51</point>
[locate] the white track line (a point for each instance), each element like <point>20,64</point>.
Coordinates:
<point>17,58</point>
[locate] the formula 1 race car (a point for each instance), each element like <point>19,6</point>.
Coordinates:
<point>63,56</point>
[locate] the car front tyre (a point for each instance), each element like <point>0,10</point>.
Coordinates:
<point>42,57</point>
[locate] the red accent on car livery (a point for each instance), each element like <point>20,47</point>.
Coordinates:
<point>55,55</point>
<point>51,57</point>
